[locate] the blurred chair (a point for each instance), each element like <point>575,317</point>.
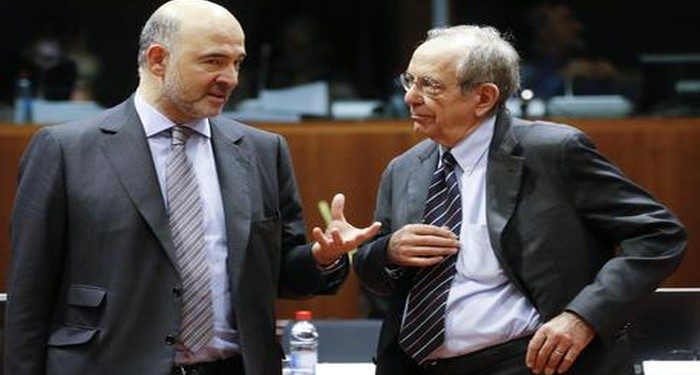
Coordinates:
<point>667,326</point>
<point>3,301</point>
<point>343,341</point>
<point>55,112</point>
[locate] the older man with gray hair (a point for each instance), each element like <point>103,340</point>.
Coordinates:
<point>507,246</point>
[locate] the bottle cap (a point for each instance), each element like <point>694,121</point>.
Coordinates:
<point>302,315</point>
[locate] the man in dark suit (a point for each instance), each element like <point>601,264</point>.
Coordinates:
<point>507,246</point>
<point>155,237</point>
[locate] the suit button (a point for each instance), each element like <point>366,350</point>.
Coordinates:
<point>177,291</point>
<point>169,340</point>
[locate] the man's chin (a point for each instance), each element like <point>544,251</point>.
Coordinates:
<point>421,127</point>
<point>211,110</point>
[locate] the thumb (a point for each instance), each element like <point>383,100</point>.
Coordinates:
<point>337,207</point>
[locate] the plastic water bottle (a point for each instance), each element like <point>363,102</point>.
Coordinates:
<point>303,345</point>
<point>23,101</point>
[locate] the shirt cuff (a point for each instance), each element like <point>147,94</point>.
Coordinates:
<point>394,271</point>
<point>330,268</point>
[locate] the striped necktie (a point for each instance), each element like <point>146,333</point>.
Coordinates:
<point>187,226</point>
<point>423,327</point>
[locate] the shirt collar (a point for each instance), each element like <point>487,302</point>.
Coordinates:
<point>155,122</point>
<point>473,147</point>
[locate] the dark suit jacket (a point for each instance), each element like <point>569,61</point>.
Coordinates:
<point>94,286</point>
<point>570,231</point>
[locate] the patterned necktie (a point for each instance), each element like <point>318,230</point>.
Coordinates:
<point>187,226</point>
<point>423,327</point>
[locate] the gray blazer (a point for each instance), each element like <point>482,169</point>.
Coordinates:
<point>570,231</point>
<point>94,286</point>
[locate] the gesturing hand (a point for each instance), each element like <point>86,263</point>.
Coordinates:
<point>556,345</point>
<point>340,236</point>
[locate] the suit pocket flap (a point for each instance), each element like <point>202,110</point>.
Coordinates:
<point>85,295</point>
<point>71,336</point>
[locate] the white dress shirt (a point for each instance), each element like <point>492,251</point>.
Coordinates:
<point>483,307</point>
<point>199,151</point>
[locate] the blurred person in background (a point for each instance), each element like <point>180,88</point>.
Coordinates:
<point>50,68</point>
<point>556,63</point>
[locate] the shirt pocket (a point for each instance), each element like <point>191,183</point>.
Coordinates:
<point>476,260</point>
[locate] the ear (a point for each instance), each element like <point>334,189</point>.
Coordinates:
<point>157,59</point>
<point>487,97</point>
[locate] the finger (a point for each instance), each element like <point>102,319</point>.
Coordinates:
<point>568,360</point>
<point>543,355</point>
<point>437,242</point>
<point>320,237</point>
<point>369,232</point>
<point>337,207</point>
<point>554,360</point>
<point>426,229</point>
<point>540,349</point>
<point>337,238</point>
<point>534,347</point>
<point>373,229</point>
<point>429,251</point>
<point>417,239</point>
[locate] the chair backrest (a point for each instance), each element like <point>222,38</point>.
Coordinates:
<point>3,302</point>
<point>667,325</point>
<point>349,341</point>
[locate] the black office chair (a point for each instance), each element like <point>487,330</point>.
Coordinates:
<point>667,326</point>
<point>343,341</point>
<point>3,301</point>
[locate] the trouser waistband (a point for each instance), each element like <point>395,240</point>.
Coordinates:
<point>479,360</point>
<point>228,366</point>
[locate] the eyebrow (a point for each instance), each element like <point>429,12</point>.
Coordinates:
<point>218,54</point>
<point>430,80</point>
<point>424,77</point>
<point>213,55</point>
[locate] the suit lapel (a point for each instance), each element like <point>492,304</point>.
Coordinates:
<point>504,175</point>
<point>125,146</point>
<point>412,208</point>
<point>233,166</point>
<point>421,172</point>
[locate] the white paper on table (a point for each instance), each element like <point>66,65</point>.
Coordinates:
<point>671,367</point>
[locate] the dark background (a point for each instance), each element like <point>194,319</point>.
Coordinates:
<point>367,42</point>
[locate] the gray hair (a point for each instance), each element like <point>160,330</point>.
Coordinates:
<point>488,57</point>
<point>159,29</point>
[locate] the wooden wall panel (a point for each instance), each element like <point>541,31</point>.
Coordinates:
<point>662,155</point>
<point>13,140</point>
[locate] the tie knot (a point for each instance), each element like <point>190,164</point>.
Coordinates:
<point>180,134</point>
<point>448,160</point>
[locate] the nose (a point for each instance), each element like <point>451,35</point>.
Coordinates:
<point>412,96</point>
<point>229,76</point>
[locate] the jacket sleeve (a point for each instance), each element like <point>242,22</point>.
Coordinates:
<point>38,240</point>
<point>300,276</point>
<point>370,261</point>
<point>649,239</point>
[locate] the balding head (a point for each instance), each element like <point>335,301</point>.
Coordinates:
<point>169,19</point>
<point>189,59</point>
